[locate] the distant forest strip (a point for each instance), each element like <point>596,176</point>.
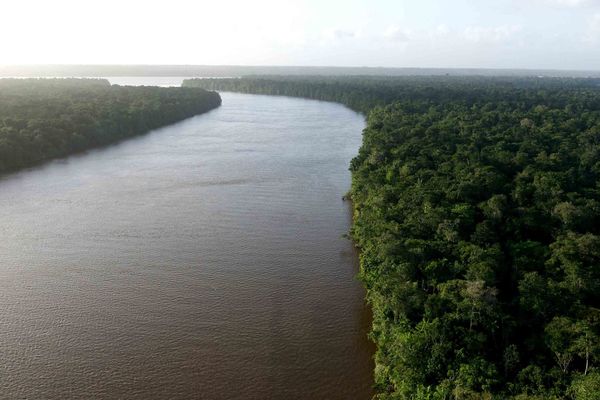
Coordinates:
<point>106,70</point>
<point>42,119</point>
<point>477,214</point>
<point>363,93</point>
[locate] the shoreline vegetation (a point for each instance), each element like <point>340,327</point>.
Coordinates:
<point>44,119</point>
<point>477,214</point>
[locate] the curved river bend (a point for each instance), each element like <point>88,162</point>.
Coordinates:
<point>203,260</point>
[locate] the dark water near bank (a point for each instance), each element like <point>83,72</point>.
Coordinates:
<point>203,260</point>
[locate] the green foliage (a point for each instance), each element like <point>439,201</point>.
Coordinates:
<point>476,210</point>
<point>41,119</point>
<point>586,387</point>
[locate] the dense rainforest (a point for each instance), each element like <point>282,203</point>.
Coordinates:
<point>42,119</point>
<point>477,214</point>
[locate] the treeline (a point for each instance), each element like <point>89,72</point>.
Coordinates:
<point>363,93</point>
<point>42,119</point>
<point>477,213</point>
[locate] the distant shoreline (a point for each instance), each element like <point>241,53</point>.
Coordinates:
<point>64,70</point>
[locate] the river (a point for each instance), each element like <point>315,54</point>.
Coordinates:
<point>202,260</point>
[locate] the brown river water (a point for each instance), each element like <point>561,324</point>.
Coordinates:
<point>204,260</point>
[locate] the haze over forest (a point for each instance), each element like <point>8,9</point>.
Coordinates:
<point>228,71</point>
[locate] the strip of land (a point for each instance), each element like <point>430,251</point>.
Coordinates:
<point>43,119</point>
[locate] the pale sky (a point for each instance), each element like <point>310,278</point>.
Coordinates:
<point>554,34</point>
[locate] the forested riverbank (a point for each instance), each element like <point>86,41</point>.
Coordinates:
<point>363,93</point>
<point>42,119</point>
<point>477,214</point>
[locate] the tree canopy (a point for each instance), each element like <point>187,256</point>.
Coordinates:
<point>41,119</point>
<point>477,214</point>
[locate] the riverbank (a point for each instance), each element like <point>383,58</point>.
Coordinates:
<point>44,119</point>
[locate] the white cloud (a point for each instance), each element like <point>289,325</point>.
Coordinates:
<point>570,3</point>
<point>337,34</point>
<point>592,34</point>
<point>396,34</point>
<point>442,30</point>
<point>479,34</point>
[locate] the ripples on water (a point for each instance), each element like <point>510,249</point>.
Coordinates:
<point>203,260</point>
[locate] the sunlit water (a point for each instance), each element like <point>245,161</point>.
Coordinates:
<point>203,260</point>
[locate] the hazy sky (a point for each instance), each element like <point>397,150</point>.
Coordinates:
<point>562,34</point>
